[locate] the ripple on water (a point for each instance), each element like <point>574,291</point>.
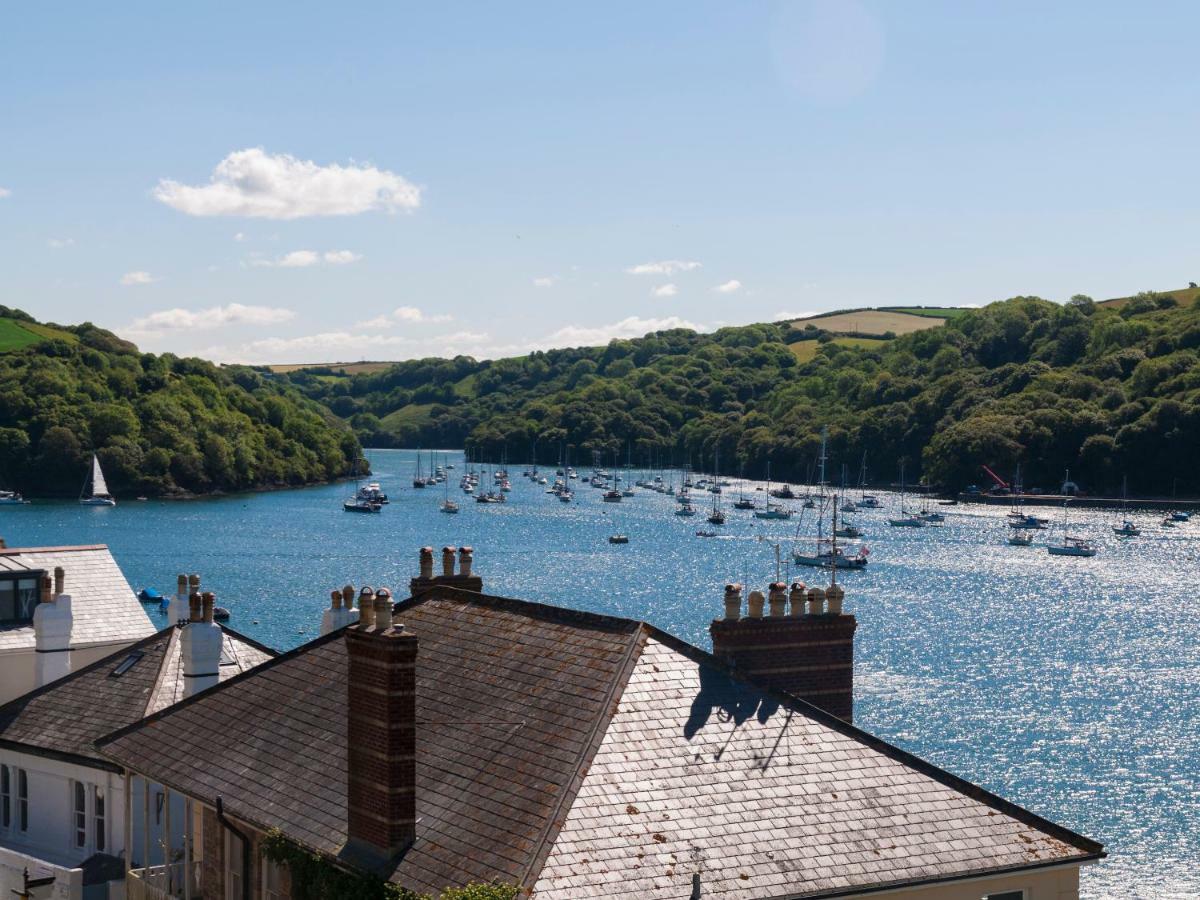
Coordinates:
<point>1069,686</point>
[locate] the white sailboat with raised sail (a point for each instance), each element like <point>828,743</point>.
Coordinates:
<point>95,491</point>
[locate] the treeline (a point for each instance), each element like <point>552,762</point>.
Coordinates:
<point>1105,392</point>
<point>159,424</point>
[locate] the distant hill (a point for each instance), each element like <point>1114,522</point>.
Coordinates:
<point>160,424</point>
<point>1104,391</point>
<point>1182,296</point>
<point>884,321</point>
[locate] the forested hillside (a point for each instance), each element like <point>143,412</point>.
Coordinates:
<point>159,424</point>
<point>1104,391</point>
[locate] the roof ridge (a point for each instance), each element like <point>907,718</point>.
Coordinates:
<point>71,676</point>
<point>101,742</point>
<point>17,551</point>
<point>163,667</point>
<point>907,758</point>
<point>555,821</point>
<point>544,611</point>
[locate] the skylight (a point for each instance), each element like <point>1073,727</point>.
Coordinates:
<point>126,664</point>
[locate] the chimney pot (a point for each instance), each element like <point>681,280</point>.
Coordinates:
<point>778,599</point>
<point>335,599</point>
<point>194,606</point>
<point>426,562</point>
<point>3,544</point>
<point>834,595</point>
<point>59,578</point>
<point>348,596</point>
<point>366,608</point>
<point>796,598</point>
<point>733,601</point>
<point>816,601</point>
<point>194,582</point>
<point>466,556</point>
<point>448,562</point>
<point>208,600</point>
<point>181,584</point>
<point>755,604</point>
<point>383,610</point>
<point>47,589</point>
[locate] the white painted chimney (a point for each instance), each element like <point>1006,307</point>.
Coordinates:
<point>177,609</point>
<point>200,644</point>
<point>341,610</point>
<point>52,622</point>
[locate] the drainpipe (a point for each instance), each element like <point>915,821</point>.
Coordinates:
<point>245,847</point>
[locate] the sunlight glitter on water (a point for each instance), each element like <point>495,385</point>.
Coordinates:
<point>1070,686</point>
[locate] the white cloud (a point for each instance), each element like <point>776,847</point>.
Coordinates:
<point>205,319</point>
<point>665,290</point>
<point>349,346</point>
<point>732,286</point>
<point>664,267</point>
<point>5,192</point>
<point>631,327</point>
<point>139,277</point>
<point>60,243</point>
<point>545,281</point>
<point>302,259</point>
<point>401,315</point>
<point>240,236</point>
<point>253,183</point>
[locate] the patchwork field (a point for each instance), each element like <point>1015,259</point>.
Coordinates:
<point>1183,296</point>
<point>806,351</point>
<point>872,321</point>
<point>357,368</point>
<point>16,335</point>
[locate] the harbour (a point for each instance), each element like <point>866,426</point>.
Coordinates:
<point>1068,685</point>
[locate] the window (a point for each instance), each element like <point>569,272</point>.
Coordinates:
<point>18,597</point>
<point>22,800</point>
<point>233,866</point>
<point>5,798</point>
<point>1006,895</point>
<point>272,875</point>
<point>99,834</point>
<point>79,815</point>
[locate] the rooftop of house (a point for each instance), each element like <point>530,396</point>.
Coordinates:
<point>63,719</point>
<point>105,608</point>
<point>578,754</point>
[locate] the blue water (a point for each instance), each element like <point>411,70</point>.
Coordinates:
<point>1071,686</point>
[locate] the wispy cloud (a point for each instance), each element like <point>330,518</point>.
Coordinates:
<point>129,279</point>
<point>5,192</point>
<point>302,259</point>
<point>179,319</point>
<point>732,286</point>
<point>257,184</point>
<point>545,281</point>
<point>240,236</point>
<point>665,290</point>
<point>60,243</point>
<point>633,326</point>
<point>406,315</point>
<point>664,267</point>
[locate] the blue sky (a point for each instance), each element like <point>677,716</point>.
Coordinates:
<point>397,181</point>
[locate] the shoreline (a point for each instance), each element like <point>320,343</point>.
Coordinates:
<point>1085,502</point>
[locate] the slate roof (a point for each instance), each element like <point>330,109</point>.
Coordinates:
<point>63,719</point>
<point>105,608</point>
<point>581,755</point>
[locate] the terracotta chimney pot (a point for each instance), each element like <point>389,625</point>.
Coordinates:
<point>778,599</point>
<point>426,562</point>
<point>466,556</point>
<point>834,595</point>
<point>194,606</point>
<point>366,608</point>
<point>755,604</point>
<point>207,601</point>
<point>448,562</point>
<point>383,610</point>
<point>796,598</point>
<point>816,601</point>
<point>733,601</point>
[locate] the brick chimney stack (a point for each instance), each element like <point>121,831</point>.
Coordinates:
<point>465,579</point>
<point>807,654</point>
<point>381,735</point>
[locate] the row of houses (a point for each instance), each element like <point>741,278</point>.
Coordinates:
<point>452,736</point>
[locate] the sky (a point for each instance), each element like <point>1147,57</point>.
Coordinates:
<point>309,182</point>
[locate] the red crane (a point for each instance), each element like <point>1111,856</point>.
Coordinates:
<point>1000,482</point>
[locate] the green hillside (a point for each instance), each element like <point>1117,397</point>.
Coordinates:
<point>160,424</point>
<point>1103,391</point>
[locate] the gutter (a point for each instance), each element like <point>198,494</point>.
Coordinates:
<point>240,835</point>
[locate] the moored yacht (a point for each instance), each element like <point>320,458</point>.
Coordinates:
<point>95,490</point>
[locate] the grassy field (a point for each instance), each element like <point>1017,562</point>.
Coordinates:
<point>932,312</point>
<point>16,335</point>
<point>871,321</point>
<point>806,351</point>
<point>356,368</point>
<point>1183,296</point>
<point>413,414</point>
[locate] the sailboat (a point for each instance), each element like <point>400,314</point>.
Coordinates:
<point>98,495</point>
<point>1126,528</point>
<point>448,505</point>
<point>716,516</point>
<point>1072,545</point>
<point>905,519</point>
<point>418,480</point>
<point>772,510</point>
<point>827,554</point>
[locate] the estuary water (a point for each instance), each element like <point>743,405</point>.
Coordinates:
<point>1070,686</point>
